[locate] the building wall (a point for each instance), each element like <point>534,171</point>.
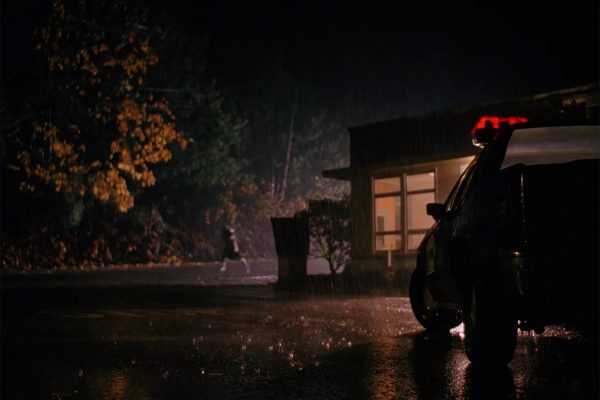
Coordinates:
<point>405,145</point>
<point>361,214</point>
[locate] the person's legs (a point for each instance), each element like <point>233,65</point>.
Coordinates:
<point>245,264</point>
<point>223,262</point>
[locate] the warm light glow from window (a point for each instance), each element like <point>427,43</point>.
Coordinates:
<point>424,181</point>
<point>387,211</point>
<point>393,229</point>
<point>417,217</point>
<point>420,190</point>
<point>387,185</point>
<point>388,242</point>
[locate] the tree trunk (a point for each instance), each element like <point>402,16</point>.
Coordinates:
<point>288,155</point>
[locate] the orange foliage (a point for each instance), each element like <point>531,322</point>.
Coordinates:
<point>105,79</point>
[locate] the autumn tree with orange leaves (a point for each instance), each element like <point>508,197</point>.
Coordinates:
<point>99,132</point>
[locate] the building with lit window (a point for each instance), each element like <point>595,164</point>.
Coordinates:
<point>398,166</point>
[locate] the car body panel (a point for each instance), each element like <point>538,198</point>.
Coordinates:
<point>534,228</point>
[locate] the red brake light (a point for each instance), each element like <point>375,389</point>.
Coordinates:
<point>487,128</point>
<point>495,122</point>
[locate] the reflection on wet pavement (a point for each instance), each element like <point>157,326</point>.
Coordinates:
<point>246,343</point>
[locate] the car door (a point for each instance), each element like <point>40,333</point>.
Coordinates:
<point>442,282</point>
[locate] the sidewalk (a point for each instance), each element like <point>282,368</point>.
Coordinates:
<point>197,273</point>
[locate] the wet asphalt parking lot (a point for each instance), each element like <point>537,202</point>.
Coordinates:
<point>249,341</point>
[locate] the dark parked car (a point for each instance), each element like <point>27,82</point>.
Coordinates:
<point>516,245</point>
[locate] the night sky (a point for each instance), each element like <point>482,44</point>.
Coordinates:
<point>368,61</point>
<point>374,61</point>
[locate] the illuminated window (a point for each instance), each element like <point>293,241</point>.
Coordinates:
<point>388,211</point>
<point>400,218</point>
<point>420,190</point>
<point>387,185</point>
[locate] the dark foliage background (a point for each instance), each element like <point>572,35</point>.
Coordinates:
<point>263,93</point>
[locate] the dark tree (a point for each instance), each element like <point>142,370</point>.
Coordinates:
<point>330,230</point>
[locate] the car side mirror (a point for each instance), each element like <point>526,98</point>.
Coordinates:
<point>436,210</point>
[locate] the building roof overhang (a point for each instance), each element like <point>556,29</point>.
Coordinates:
<point>445,135</point>
<point>342,174</point>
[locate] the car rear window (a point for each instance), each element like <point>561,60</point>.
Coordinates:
<point>552,145</point>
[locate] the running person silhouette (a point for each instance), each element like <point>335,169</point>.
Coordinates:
<point>231,250</point>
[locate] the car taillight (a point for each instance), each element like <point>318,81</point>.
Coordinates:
<point>487,127</point>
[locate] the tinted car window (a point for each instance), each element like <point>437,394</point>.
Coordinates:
<point>552,145</point>
<point>457,194</point>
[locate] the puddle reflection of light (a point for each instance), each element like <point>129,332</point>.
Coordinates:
<point>383,380</point>
<point>117,385</point>
<point>459,330</point>
<point>456,367</point>
<point>112,385</point>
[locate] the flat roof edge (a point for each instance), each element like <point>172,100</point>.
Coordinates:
<point>342,174</point>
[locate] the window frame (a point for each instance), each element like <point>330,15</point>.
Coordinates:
<point>433,190</point>
<point>376,196</point>
<point>403,193</point>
